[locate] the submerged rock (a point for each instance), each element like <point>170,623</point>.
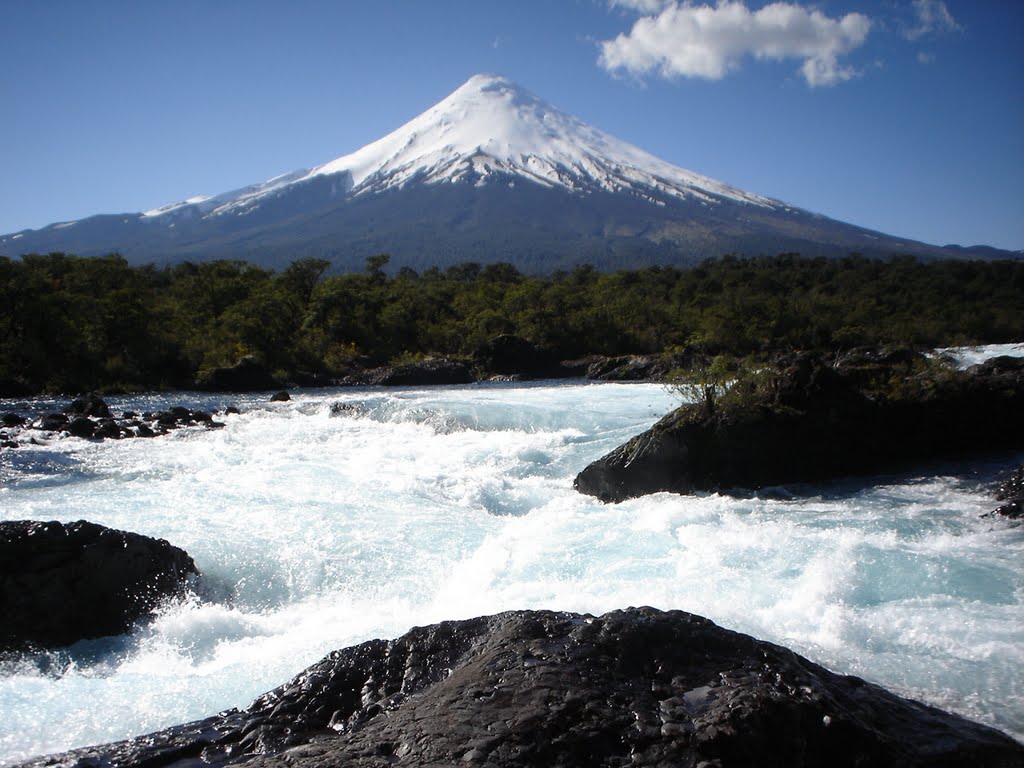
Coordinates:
<point>637,687</point>
<point>813,422</point>
<point>64,582</point>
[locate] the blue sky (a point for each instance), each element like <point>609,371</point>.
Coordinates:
<point>906,116</point>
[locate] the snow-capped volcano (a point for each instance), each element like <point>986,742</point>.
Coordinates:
<point>492,126</point>
<point>486,131</point>
<point>490,173</point>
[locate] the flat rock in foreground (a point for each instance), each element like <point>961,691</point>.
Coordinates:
<point>637,687</point>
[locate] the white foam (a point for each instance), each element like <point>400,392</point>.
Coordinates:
<point>413,506</point>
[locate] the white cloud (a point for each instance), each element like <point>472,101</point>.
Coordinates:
<point>686,40</point>
<point>932,18</point>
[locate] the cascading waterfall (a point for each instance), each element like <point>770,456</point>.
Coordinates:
<point>344,515</point>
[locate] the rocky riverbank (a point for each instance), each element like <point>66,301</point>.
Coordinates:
<point>636,687</point>
<point>809,420</point>
<point>89,416</point>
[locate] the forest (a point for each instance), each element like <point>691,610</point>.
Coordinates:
<point>70,324</point>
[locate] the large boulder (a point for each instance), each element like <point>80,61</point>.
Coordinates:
<point>64,582</point>
<point>247,375</point>
<point>637,687</point>
<point>812,421</point>
<point>431,372</point>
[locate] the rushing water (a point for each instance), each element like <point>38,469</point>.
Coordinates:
<point>316,530</point>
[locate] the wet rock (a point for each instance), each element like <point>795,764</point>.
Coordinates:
<point>816,421</point>
<point>432,372</point>
<point>108,428</point>
<point>280,397</point>
<point>88,405</point>
<point>12,420</point>
<point>63,582</point>
<point>348,408</point>
<point>1011,493</point>
<point>638,367</point>
<point>51,422</point>
<point>534,688</point>
<point>247,375</point>
<point>82,426</point>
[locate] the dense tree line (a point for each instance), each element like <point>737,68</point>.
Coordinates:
<point>70,324</point>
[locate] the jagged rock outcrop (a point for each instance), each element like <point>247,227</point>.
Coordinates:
<point>637,687</point>
<point>810,420</point>
<point>65,582</point>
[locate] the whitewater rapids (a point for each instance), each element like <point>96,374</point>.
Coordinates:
<point>319,525</point>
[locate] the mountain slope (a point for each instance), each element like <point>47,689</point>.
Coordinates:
<point>491,173</point>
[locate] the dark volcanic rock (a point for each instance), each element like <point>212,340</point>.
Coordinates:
<point>817,421</point>
<point>12,420</point>
<point>82,426</point>
<point>1011,493</point>
<point>247,375</point>
<point>632,688</point>
<point>88,405</point>
<point>433,372</point>
<point>60,583</point>
<point>636,367</point>
<point>51,422</point>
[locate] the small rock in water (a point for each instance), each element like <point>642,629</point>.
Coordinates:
<point>280,397</point>
<point>1011,491</point>
<point>82,426</point>
<point>89,405</point>
<point>13,420</point>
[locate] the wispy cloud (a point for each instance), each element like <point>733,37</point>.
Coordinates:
<point>685,40</point>
<point>644,6</point>
<point>931,17</point>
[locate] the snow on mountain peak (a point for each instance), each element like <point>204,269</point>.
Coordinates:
<point>491,128</point>
<point>490,125</point>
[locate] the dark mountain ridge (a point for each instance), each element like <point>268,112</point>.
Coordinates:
<point>490,174</point>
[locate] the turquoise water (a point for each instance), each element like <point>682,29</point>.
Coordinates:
<point>316,531</point>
